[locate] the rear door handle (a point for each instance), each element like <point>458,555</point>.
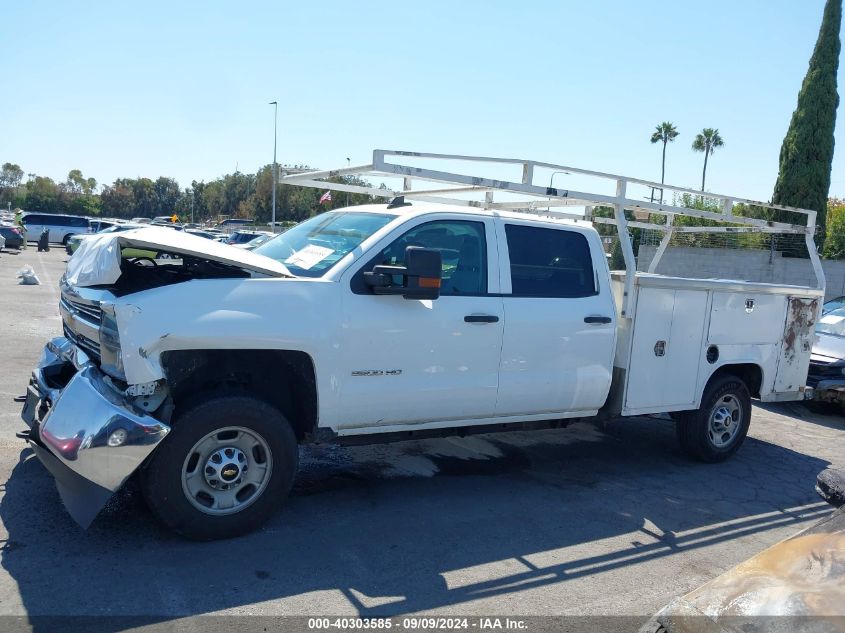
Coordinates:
<point>481,318</point>
<point>596,320</point>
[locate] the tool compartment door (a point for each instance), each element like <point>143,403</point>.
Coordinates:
<point>739,318</point>
<point>666,350</point>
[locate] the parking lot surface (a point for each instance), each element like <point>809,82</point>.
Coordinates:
<point>609,520</point>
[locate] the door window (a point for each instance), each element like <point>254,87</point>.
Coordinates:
<point>549,262</point>
<point>463,248</point>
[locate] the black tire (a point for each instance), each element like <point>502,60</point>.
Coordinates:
<point>161,479</point>
<point>694,427</point>
<point>65,239</point>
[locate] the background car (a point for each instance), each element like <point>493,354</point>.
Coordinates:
<point>233,223</point>
<point>242,237</point>
<point>833,304</point>
<point>206,234</point>
<point>12,235</point>
<point>61,227</point>
<point>74,241</point>
<point>255,242</point>
<point>827,362</point>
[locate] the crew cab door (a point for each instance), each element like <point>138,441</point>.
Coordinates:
<point>424,361</point>
<point>560,321</point>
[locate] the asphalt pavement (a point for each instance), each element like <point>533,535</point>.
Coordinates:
<point>588,520</point>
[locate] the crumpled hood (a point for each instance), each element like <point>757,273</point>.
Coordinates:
<point>97,260</point>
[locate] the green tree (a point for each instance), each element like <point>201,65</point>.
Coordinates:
<point>42,194</point>
<point>146,201</point>
<point>84,204</point>
<point>834,243</point>
<point>807,150</point>
<point>118,199</point>
<point>167,193</point>
<point>11,176</point>
<point>665,133</point>
<point>707,141</point>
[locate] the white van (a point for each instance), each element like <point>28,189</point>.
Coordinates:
<point>61,226</point>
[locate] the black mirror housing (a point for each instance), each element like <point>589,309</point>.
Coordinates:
<point>425,272</point>
<point>422,274</point>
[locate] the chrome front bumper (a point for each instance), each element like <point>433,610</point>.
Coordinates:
<point>84,429</point>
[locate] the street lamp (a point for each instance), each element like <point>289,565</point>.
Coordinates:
<point>551,184</point>
<point>275,168</point>
<point>347,193</point>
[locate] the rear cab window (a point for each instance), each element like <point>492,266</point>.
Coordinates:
<point>547,262</point>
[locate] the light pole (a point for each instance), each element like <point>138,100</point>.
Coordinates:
<point>347,193</point>
<point>275,169</point>
<point>551,183</point>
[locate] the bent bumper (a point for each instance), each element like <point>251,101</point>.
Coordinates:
<point>830,390</point>
<point>85,430</point>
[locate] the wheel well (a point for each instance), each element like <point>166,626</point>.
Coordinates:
<point>283,378</point>
<point>750,374</point>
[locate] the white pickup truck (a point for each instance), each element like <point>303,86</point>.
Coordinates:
<point>203,371</point>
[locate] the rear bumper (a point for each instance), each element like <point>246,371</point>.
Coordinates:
<point>84,429</point>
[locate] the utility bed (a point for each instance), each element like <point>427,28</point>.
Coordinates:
<point>678,326</point>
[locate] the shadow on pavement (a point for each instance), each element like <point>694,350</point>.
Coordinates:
<point>826,414</point>
<point>401,528</point>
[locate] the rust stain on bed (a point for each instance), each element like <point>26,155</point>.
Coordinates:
<point>799,325</point>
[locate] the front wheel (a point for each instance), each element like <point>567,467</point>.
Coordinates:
<point>224,469</point>
<point>716,430</point>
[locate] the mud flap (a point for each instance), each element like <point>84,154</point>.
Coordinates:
<point>82,498</point>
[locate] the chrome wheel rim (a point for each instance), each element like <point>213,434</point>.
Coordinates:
<point>227,470</point>
<point>725,421</point>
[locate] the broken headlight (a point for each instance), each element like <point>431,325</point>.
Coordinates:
<point>110,357</point>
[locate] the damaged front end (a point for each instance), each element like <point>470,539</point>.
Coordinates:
<point>93,415</point>
<point>87,432</point>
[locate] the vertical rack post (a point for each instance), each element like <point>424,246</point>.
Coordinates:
<point>625,243</point>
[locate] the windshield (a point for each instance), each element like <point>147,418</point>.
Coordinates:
<point>311,248</point>
<point>832,323</point>
<point>833,304</point>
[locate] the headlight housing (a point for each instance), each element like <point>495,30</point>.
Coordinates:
<point>111,361</point>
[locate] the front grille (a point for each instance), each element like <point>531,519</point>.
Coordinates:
<point>88,311</point>
<point>92,348</point>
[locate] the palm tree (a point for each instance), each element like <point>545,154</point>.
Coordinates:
<point>707,141</point>
<point>665,132</point>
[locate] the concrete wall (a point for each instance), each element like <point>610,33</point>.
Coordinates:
<point>748,265</point>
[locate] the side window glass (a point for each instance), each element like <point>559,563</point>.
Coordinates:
<point>549,262</point>
<point>462,246</point>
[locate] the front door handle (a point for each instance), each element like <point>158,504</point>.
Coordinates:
<point>481,318</point>
<point>596,320</point>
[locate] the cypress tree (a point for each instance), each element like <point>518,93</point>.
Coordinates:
<point>807,151</point>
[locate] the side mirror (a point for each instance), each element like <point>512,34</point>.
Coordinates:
<point>422,273</point>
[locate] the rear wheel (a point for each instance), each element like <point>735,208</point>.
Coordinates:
<point>717,429</point>
<point>65,239</point>
<point>224,469</point>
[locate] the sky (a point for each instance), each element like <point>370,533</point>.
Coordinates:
<point>181,89</point>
